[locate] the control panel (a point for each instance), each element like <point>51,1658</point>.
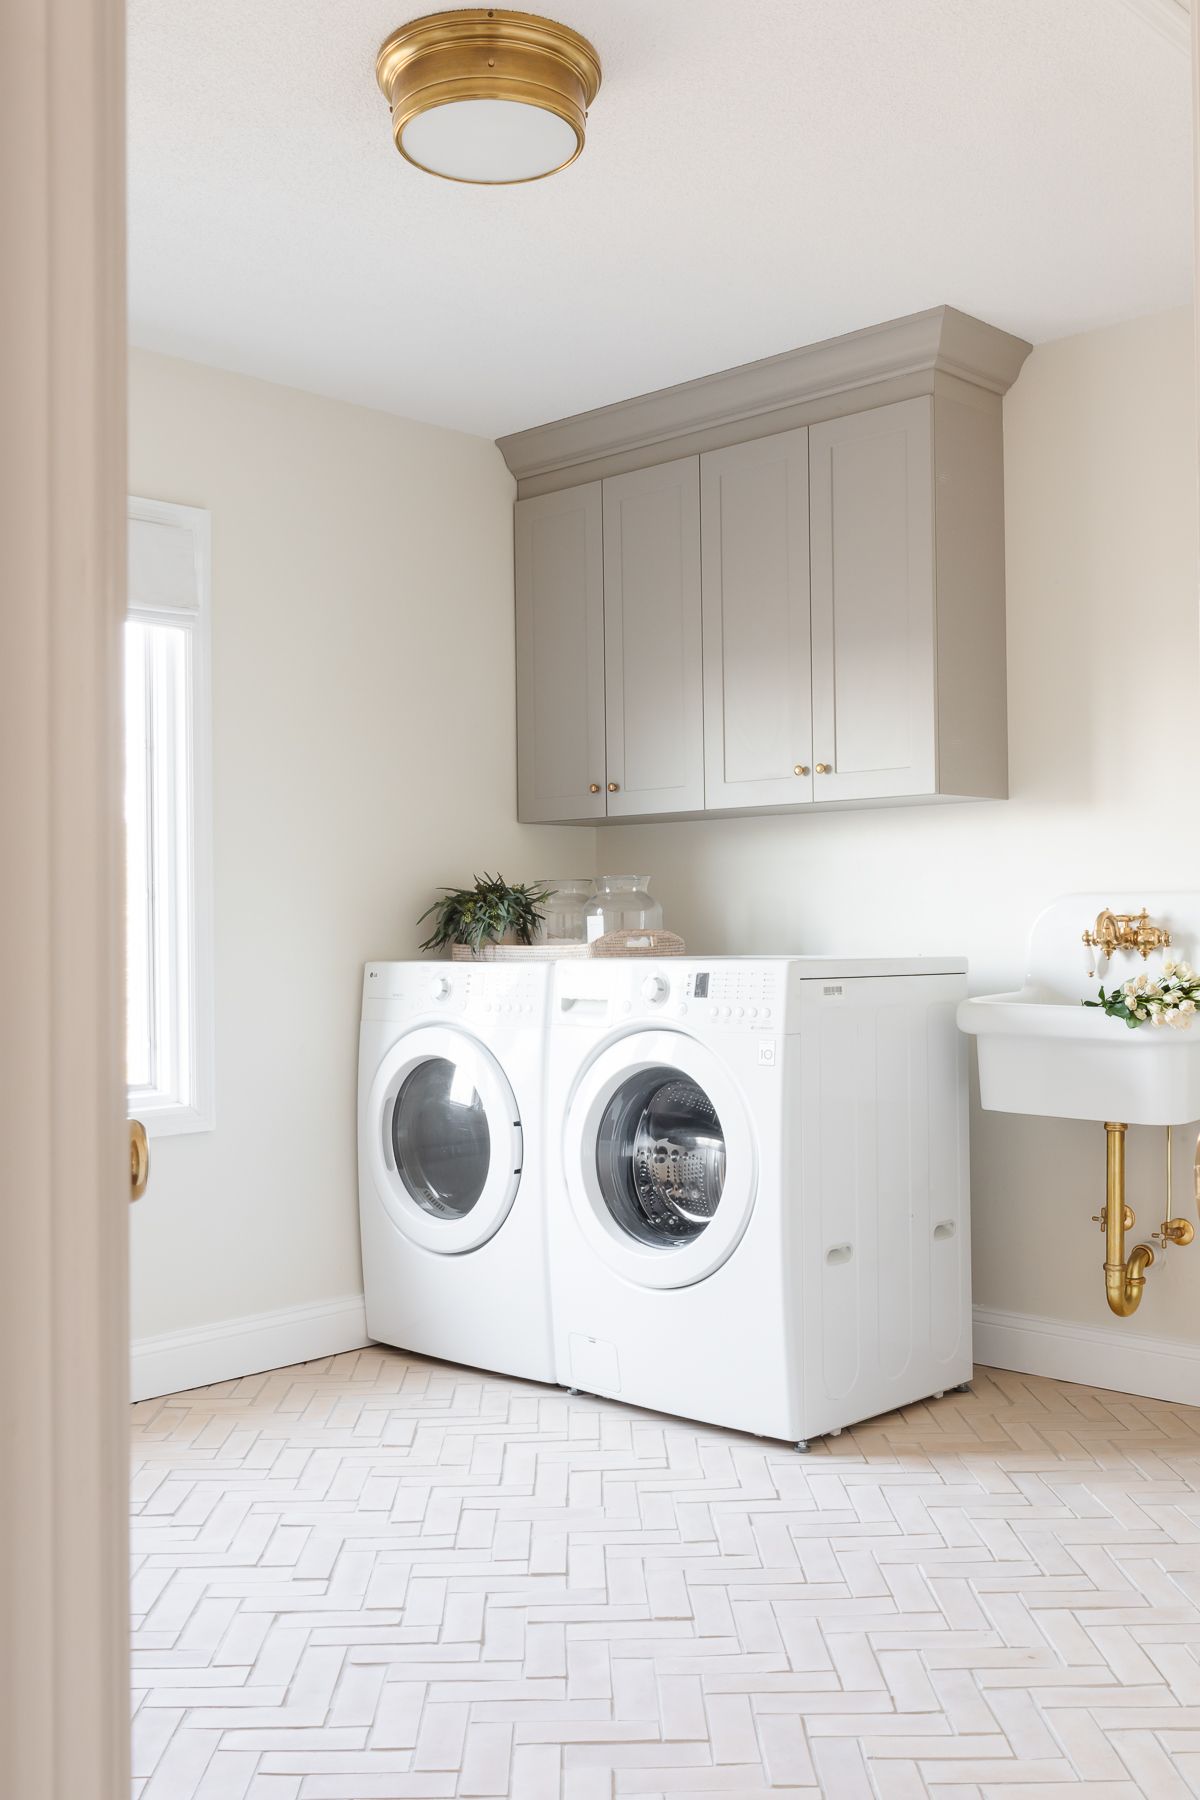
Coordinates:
<point>733,993</point>
<point>742,993</point>
<point>504,992</point>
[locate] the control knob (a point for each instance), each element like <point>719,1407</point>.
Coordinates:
<point>439,987</point>
<point>656,988</point>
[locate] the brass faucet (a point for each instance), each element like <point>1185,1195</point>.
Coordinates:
<point>1126,931</point>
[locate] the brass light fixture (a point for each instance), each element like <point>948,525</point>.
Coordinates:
<point>488,96</point>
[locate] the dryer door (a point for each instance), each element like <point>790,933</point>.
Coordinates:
<point>442,1139</point>
<point>660,1159</point>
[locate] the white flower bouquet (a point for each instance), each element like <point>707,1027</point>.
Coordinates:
<point>1170,1000</point>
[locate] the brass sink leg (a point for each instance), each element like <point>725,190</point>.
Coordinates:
<point>1123,1280</point>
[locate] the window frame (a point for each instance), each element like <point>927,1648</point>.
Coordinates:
<point>189,974</point>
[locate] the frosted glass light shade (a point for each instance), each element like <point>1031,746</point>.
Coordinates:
<point>489,141</point>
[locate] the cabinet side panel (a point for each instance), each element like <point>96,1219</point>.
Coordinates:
<point>972,704</point>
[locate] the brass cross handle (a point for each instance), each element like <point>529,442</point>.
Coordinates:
<point>139,1159</point>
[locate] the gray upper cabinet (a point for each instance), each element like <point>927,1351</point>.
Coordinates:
<point>873,635</point>
<point>758,732</point>
<point>652,640</point>
<point>560,656</point>
<point>776,588</point>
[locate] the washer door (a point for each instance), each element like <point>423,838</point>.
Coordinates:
<point>443,1139</point>
<point>660,1159</point>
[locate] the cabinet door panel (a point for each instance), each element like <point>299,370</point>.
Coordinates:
<point>871,482</point>
<point>757,662</point>
<point>560,655</point>
<point>653,679</point>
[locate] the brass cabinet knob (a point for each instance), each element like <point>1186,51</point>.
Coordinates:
<point>824,769</point>
<point>139,1159</point>
<point>594,788</point>
<point>614,787</point>
<point>800,769</point>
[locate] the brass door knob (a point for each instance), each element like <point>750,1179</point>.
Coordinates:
<point>614,787</point>
<point>824,769</point>
<point>139,1159</point>
<point>799,768</point>
<point>594,788</point>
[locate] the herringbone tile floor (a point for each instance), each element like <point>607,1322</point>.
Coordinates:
<point>376,1576</point>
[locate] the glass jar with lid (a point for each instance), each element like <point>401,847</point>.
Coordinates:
<point>622,903</point>
<point>563,912</point>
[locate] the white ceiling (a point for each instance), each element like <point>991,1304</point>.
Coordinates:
<point>759,174</point>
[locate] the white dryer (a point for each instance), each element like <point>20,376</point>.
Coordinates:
<point>758,1199</point>
<point>450,1142</point>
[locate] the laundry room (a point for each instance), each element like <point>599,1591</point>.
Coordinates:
<point>728,1328</point>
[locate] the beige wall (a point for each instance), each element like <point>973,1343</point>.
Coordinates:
<point>1100,461</point>
<point>363,755</point>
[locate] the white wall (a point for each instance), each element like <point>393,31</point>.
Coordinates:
<point>363,756</point>
<point>1100,462</point>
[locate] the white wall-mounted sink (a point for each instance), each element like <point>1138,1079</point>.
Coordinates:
<point>1042,1051</point>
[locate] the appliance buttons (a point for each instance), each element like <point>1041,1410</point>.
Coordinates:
<point>725,1011</point>
<point>766,1012</point>
<point>752,1012</point>
<point>681,1009</point>
<point>714,1012</point>
<point>739,1012</point>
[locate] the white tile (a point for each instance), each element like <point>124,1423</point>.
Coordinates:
<point>377,1577</point>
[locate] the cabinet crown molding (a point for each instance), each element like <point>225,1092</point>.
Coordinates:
<point>940,340</point>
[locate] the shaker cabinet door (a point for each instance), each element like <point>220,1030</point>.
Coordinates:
<point>873,641</point>
<point>560,656</point>
<point>653,693</point>
<point>757,661</point>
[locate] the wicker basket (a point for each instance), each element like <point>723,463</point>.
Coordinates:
<point>638,943</point>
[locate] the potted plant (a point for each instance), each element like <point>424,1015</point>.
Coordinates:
<point>492,912</point>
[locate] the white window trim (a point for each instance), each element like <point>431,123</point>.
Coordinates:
<point>166,1117</point>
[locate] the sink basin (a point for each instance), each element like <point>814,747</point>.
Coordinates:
<point>1043,1052</point>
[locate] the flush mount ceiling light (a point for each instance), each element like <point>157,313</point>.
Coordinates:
<point>488,96</point>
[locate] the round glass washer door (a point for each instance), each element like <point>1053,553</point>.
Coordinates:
<point>660,1159</point>
<point>442,1139</point>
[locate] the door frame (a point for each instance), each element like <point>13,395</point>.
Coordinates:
<point>64,1196</point>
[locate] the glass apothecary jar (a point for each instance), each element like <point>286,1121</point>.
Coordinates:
<point>622,903</point>
<point>564,911</point>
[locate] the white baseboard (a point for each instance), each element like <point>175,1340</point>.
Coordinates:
<point>177,1360</point>
<point>1092,1355</point>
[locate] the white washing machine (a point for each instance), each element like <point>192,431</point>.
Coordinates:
<point>758,1193</point>
<point>451,1138</point>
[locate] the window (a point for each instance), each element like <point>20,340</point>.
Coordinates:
<point>169,1047</point>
